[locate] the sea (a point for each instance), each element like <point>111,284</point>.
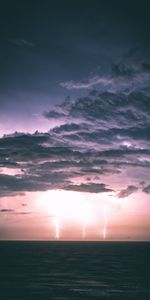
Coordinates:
<point>74,270</point>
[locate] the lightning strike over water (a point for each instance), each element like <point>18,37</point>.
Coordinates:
<point>57,228</point>
<point>84,231</point>
<point>105,223</point>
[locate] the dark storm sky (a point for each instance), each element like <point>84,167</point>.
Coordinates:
<point>49,51</point>
<point>44,43</point>
<point>97,141</point>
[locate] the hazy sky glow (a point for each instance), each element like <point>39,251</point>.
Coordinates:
<point>75,122</point>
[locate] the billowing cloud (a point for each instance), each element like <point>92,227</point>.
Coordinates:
<point>127,192</point>
<point>146,189</point>
<point>128,74</point>
<point>90,188</point>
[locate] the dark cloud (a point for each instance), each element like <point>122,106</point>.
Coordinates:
<point>146,189</point>
<point>142,183</point>
<point>128,74</point>
<point>6,210</point>
<point>22,213</point>
<point>125,113</point>
<point>13,212</point>
<point>89,188</point>
<point>121,70</point>
<point>7,192</point>
<point>127,192</point>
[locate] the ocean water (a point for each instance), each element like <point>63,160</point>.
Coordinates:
<point>74,270</point>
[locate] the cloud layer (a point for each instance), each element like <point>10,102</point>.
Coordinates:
<point>101,143</point>
<point>129,74</point>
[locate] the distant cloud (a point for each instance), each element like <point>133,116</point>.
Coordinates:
<point>86,84</point>
<point>22,213</point>
<point>4,192</point>
<point>13,212</point>
<point>4,210</point>
<point>89,188</point>
<point>127,192</point>
<point>146,189</point>
<point>22,42</point>
<point>123,78</point>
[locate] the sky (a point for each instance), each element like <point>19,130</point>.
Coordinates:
<point>75,120</point>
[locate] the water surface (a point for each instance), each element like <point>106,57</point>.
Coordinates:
<point>74,270</point>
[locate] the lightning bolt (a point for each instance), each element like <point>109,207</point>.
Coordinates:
<point>105,223</point>
<point>84,230</point>
<point>57,228</point>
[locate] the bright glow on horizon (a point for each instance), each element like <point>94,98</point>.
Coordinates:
<point>83,214</point>
<point>105,223</point>
<point>57,228</point>
<point>70,215</point>
<point>66,207</point>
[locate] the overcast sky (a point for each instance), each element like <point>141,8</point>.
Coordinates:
<point>75,120</point>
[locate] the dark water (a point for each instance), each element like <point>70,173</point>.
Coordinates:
<point>66,270</point>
